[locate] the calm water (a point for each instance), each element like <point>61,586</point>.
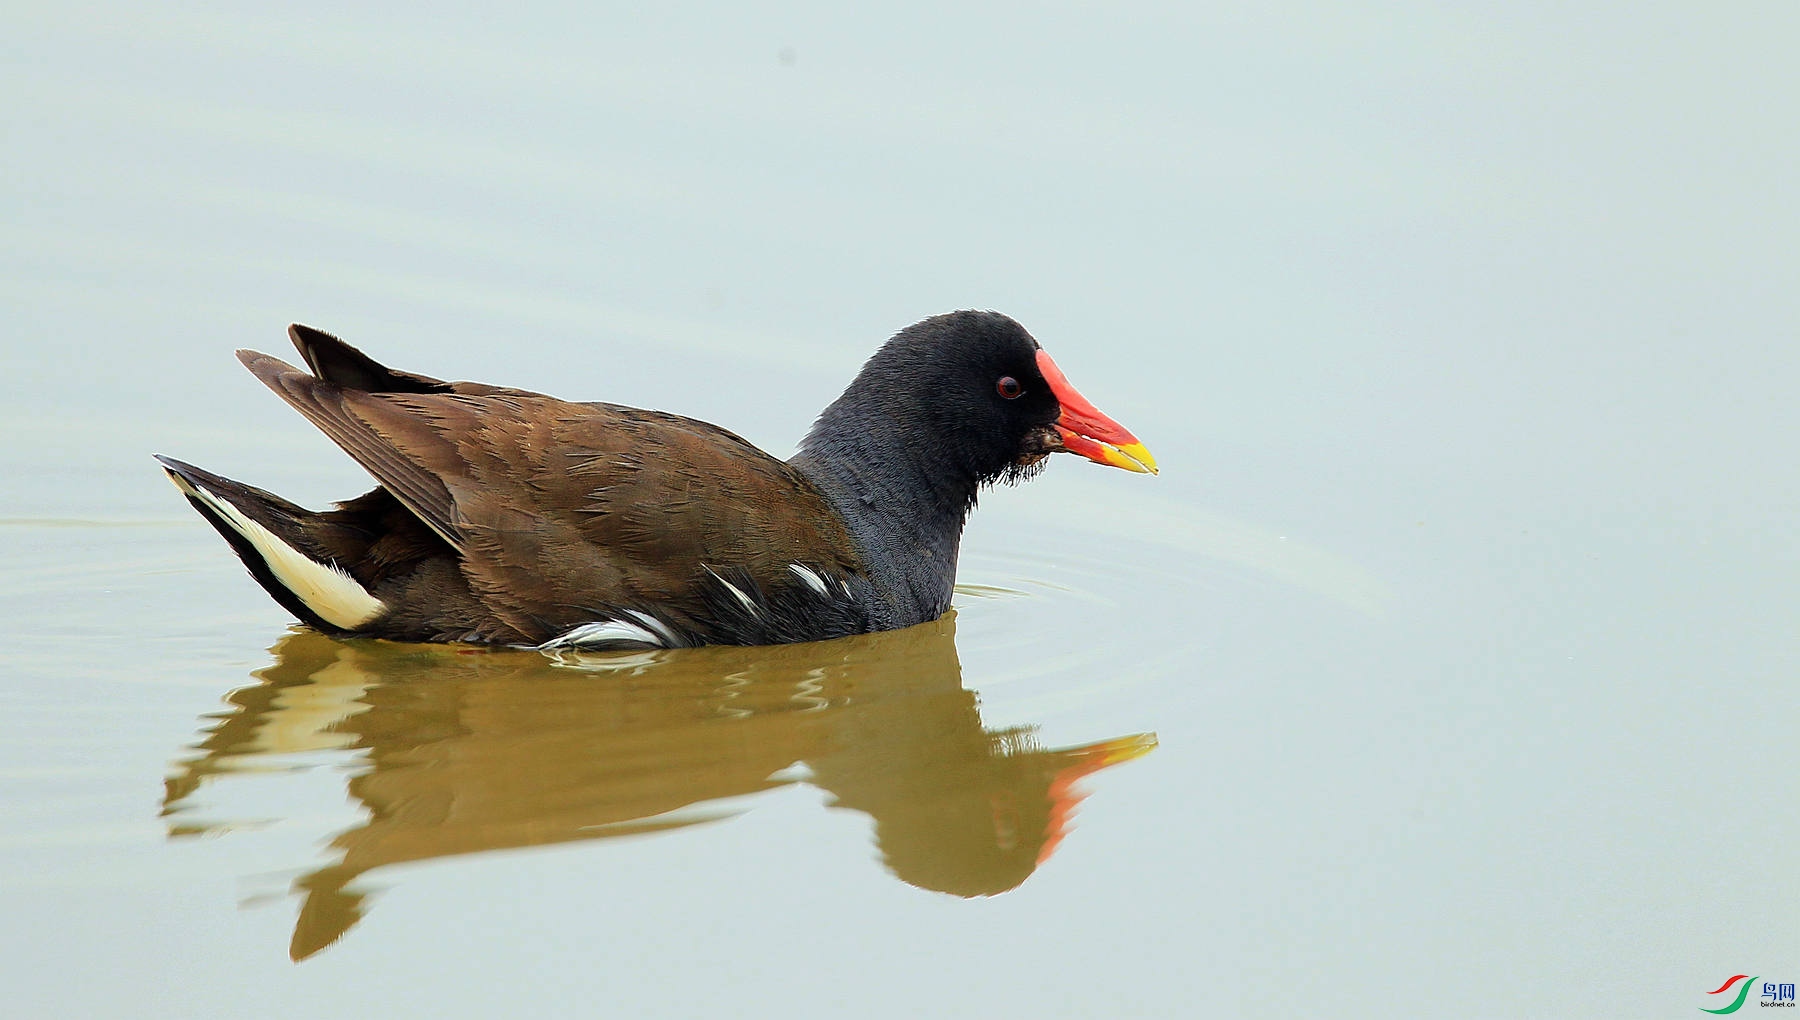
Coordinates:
<point>1448,668</point>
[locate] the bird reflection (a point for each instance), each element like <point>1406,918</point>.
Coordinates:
<point>464,752</point>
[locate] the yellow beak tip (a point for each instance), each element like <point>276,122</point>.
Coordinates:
<point>1137,458</point>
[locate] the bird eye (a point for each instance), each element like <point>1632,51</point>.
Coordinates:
<point>1009,387</point>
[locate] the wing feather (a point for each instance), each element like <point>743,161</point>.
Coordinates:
<point>564,512</point>
<point>334,411</point>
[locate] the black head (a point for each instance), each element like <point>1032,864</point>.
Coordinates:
<point>948,405</point>
<point>961,390</point>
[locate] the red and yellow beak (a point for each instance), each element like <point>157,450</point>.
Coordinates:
<point>1086,431</point>
<point>1081,762</point>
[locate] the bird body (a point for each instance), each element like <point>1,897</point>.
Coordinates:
<point>510,517</point>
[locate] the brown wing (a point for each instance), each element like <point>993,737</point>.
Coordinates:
<point>563,512</point>
<point>407,465</point>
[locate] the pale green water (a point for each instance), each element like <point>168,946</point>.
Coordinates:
<point>1462,612</point>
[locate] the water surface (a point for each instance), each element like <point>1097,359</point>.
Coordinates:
<point>1462,613</point>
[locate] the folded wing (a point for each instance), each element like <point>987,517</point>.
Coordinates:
<point>565,513</point>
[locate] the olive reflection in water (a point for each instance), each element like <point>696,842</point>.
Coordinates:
<point>467,751</point>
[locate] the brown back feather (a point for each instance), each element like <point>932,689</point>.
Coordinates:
<point>562,510</point>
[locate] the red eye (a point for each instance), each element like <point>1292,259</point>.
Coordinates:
<point>1009,387</point>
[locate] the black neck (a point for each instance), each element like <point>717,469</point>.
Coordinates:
<point>904,507</point>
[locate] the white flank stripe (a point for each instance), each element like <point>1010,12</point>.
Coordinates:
<point>670,639</point>
<point>749,606</point>
<point>324,587</point>
<point>811,577</point>
<point>605,632</point>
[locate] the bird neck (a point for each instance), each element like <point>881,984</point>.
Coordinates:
<point>903,508</point>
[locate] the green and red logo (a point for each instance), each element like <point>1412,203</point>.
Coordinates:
<point>1737,1003</point>
<point>1773,994</point>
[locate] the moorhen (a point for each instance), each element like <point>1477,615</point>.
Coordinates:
<point>509,517</point>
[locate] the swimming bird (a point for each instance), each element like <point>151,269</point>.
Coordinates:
<point>504,516</point>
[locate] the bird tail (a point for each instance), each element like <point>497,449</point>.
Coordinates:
<point>269,534</point>
<point>340,364</point>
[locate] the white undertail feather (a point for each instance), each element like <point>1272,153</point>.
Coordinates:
<point>325,588</point>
